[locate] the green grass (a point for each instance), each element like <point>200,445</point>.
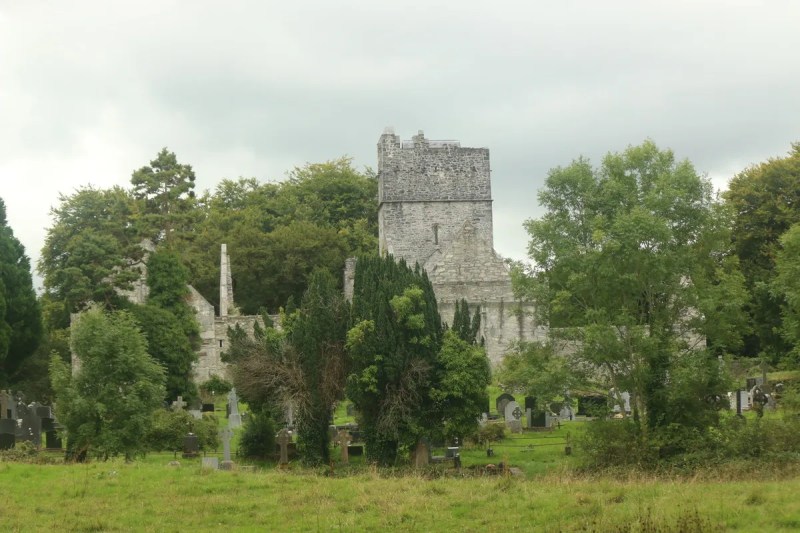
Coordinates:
<point>151,496</point>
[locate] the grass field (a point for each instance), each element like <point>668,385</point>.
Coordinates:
<point>149,495</point>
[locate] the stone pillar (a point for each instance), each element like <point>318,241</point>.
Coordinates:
<point>225,283</point>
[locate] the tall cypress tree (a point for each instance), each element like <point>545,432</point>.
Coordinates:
<point>394,342</point>
<point>318,337</point>
<point>20,317</point>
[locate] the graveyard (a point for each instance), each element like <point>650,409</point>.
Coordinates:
<point>530,479</point>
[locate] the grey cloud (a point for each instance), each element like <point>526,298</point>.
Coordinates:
<point>91,90</point>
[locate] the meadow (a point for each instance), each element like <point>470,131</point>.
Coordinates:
<point>151,495</point>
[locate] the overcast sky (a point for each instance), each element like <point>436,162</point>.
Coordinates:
<point>91,90</point>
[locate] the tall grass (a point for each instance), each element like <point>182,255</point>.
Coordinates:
<point>152,496</point>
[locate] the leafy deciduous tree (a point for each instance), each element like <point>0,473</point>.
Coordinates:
<point>90,248</point>
<point>786,286</point>
<point>765,199</point>
<point>107,406</point>
<point>633,266</point>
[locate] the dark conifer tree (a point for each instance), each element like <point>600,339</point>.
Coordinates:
<point>20,317</point>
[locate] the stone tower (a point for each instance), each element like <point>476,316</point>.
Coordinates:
<point>435,209</point>
<point>426,191</point>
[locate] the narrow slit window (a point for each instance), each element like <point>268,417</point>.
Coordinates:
<point>436,234</point>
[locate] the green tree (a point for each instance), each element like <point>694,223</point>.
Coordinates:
<point>303,365</point>
<point>317,335</point>
<point>90,248</point>
<point>466,326</point>
<point>168,322</point>
<point>537,369</point>
<point>20,317</point>
<point>786,287</point>
<point>107,406</point>
<point>765,199</point>
<point>459,390</point>
<point>165,190</point>
<point>632,264</point>
<point>279,233</point>
<point>394,343</point>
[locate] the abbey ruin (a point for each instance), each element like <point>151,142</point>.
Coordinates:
<point>435,209</point>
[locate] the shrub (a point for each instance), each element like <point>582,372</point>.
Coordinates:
<point>258,437</point>
<point>215,384</point>
<point>489,433</point>
<point>170,427</point>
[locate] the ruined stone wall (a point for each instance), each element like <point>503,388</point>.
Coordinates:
<point>470,269</point>
<point>502,323</point>
<point>416,230</point>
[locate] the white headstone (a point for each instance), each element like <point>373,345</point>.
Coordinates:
<point>513,416</point>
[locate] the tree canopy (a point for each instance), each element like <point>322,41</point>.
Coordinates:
<point>633,266</point>
<point>765,199</point>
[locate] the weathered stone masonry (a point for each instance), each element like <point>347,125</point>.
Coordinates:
<point>435,209</point>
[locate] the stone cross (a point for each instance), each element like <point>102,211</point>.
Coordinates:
<point>283,441</point>
<point>178,404</point>
<point>234,419</point>
<point>343,439</point>
<point>227,433</point>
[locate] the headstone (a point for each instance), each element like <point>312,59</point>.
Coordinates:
<point>539,419</point>
<point>191,446</point>
<point>744,400</point>
<point>501,402</point>
<point>235,419</point>
<point>351,409</point>
<point>528,417</point>
<point>31,426</point>
<point>52,438</point>
<point>178,404</point>
<point>227,434</point>
<point>196,413</point>
<point>771,403</point>
<point>211,463</point>
<point>626,401</point>
<point>5,404</point>
<point>283,442</point>
<point>566,412</point>
<point>343,439</point>
<point>422,454</point>
<point>355,450</point>
<point>207,408</point>
<point>8,429</point>
<point>483,420</point>
<point>530,403</point>
<point>513,416</point>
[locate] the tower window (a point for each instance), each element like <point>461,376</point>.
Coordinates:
<point>220,343</point>
<point>436,234</point>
